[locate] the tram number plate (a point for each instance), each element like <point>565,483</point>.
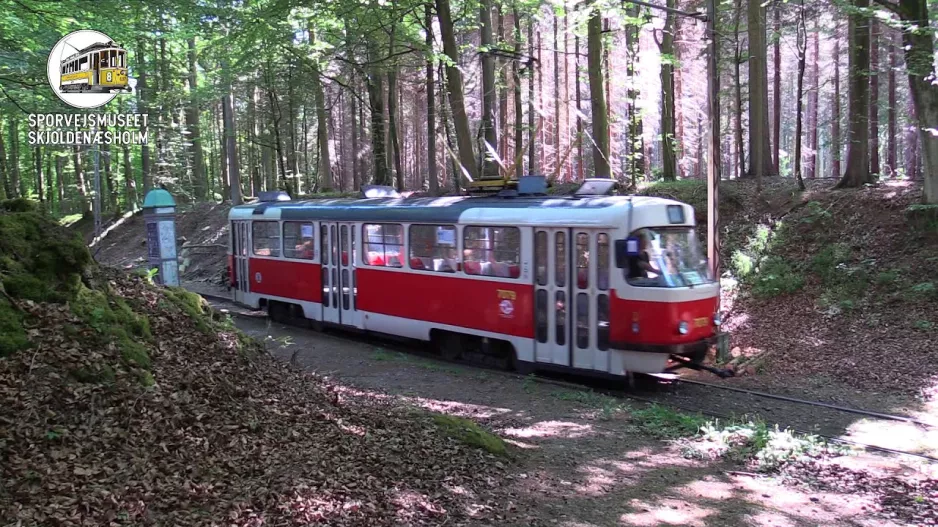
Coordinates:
<point>701,322</point>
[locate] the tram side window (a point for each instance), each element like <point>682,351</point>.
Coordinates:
<point>266,237</point>
<point>492,251</point>
<point>383,244</point>
<point>298,240</point>
<point>433,248</point>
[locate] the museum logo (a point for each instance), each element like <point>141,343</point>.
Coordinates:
<point>88,69</point>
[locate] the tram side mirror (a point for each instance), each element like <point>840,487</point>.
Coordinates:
<point>626,249</point>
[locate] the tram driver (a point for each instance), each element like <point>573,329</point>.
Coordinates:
<point>640,265</point>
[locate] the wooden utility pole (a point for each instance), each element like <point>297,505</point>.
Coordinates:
<point>713,157</point>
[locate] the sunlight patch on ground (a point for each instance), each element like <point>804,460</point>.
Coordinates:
<point>520,444</point>
<point>813,506</point>
<point>457,408</point>
<point>770,519</point>
<point>559,429</point>
<point>708,489</point>
<point>895,435</point>
<point>735,322</point>
<point>409,501</point>
<point>666,512</point>
<point>599,481</point>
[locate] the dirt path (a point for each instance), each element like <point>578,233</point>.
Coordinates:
<point>581,461</point>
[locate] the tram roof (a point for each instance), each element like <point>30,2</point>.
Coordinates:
<point>94,47</point>
<point>598,211</point>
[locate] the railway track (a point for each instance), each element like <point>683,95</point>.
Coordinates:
<point>651,385</point>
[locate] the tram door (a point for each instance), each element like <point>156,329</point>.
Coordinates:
<point>551,296</point>
<point>571,282</point>
<point>240,251</point>
<point>338,273</point>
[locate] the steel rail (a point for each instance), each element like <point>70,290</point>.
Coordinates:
<point>815,403</point>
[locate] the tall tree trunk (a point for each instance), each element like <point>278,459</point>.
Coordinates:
<point>532,115</point>
<point>143,95</point>
<point>874,98</point>
<point>80,181</point>
<point>760,160</point>
<point>799,95</point>
<point>894,41</point>
<point>433,182</point>
<point>392,124</point>
<point>130,185</point>
<point>634,151</point>
<point>192,123</point>
<point>37,159</point>
<point>565,140</point>
<point>323,169</point>
<point>813,92</point>
<point>505,84</point>
<point>668,137</point>
<point>919,58</point>
<point>60,180</point>
<point>556,128</point>
<point>6,190</point>
<point>111,204</point>
<point>835,108</point>
<point>737,61</point>
<point>516,82</point>
<point>579,110</point>
<point>777,87</point>
<point>375,85</point>
<point>456,92</point>
<point>489,94</point>
<point>677,97</point>
<point>599,115</point>
<point>16,183</point>
<point>857,171</point>
<point>234,177</point>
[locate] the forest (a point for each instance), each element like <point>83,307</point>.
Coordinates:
<point>244,96</point>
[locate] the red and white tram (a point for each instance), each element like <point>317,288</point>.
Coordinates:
<point>597,284</point>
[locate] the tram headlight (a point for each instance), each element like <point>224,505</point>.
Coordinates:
<point>717,319</point>
<point>683,328</point>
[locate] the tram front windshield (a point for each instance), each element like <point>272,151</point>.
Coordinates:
<point>668,257</point>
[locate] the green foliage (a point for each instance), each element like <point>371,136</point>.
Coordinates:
<point>114,321</point>
<point>95,374</point>
<point>12,334</point>
<point>777,277</point>
<point>470,433</point>
<point>39,260</point>
<point>768,448</point>
<point>664,422</point>
<point>923,217</point>
<point>814,213</point>
<point>923,291</point>
<point>191,304</point>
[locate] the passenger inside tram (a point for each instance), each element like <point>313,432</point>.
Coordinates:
<point>640,265</point>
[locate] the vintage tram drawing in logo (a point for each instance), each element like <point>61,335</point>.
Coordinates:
<point>87,69</point>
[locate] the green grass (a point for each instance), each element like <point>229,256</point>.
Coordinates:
<point>470,433</point>
<point>663,422</point>
<point>382,355</point>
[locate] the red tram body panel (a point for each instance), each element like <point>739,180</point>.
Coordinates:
<point>607,284</point>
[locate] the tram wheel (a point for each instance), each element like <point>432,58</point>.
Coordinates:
<point>450,346</point>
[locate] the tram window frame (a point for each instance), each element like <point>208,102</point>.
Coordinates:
<point>294,254</point>
<point>368,246</point>
<point>492,244</point>
<point>273,252</point>
<point>447,254</point>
